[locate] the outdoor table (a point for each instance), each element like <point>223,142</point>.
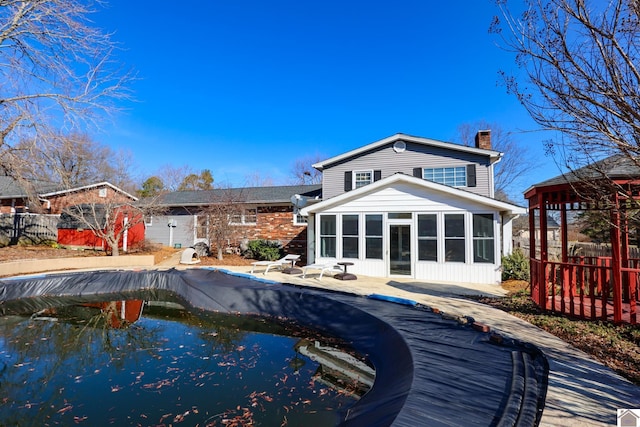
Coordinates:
<point>344,275</point>
<point>293,269</point>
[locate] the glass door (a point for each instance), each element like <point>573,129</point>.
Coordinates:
<point>400,249</point>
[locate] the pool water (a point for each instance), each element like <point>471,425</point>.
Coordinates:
<point>157,363</point>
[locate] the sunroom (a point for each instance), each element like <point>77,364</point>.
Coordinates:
<point>403,226</point>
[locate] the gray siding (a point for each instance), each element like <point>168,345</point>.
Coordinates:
<point>415,156</point>
<point>160,232</point>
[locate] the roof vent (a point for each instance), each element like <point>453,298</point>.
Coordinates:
<point>399,146</point>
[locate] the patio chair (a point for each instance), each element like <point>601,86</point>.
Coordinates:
<point>327,267</point>
<point>284,261</point>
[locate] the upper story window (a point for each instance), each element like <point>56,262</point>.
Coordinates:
<point>362,178</point>
<point>452,176</point>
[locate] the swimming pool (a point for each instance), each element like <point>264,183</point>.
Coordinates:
<point>429,370</point>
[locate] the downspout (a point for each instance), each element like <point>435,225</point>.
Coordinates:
<point>311,239</point>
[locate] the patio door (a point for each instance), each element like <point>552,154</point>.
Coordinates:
<point>400,250</point>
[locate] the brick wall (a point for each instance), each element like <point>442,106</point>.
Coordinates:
<point>276,223</point>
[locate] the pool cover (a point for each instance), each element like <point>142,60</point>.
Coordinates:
<point>430,370</point>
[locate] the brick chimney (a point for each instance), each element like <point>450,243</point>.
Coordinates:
<point>483,139</point>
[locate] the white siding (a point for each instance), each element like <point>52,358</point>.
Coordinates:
<point>403,197</point>
<point>406,198</point>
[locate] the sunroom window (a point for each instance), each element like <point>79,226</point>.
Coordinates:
<point>350,236</point>
<point>328,236</point>
<point>373,236</point>
<point>454,241</point>
<point>428,237</point>
<point>483,238</point>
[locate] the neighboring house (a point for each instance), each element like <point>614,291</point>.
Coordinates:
<point>264,213</point>
<point>413,207</point>
<point>52,198</point>
<point>521,228</point>
<point>74,231</point>
<point>21,216</point>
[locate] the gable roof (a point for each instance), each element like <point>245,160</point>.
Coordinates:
<point>618,166</point>
<point>11,188</point>
<point>419,182</point>
<point>494,156</point>
<point>255,195</point>
<point>522,222</point>
<point>88,187</point>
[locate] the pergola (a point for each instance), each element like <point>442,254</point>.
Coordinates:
<point>601,287</point>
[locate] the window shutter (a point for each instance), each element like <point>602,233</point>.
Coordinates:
<point>348,181</point>
<point>471,175</point>
<point>377,175</point>
<point>417,172</point>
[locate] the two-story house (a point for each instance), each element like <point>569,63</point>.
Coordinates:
<point>413,207</point>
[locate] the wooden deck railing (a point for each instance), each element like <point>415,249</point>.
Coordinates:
<point>584,288</point>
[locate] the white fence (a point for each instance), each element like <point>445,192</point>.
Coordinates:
<point>28,228</point>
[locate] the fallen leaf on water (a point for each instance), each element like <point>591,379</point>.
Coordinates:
<point>65,409</point>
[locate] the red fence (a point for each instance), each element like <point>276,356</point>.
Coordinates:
<point>585,287</point>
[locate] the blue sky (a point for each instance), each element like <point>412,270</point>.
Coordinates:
<point>245,87</point>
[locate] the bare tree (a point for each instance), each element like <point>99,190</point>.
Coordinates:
<point>254,179</point>
<point>580,61</point>
<point>73,160</point>
<point>514,165</point>
<point>172,176</point>
<point>110,218</point>
<point>58,73</point>
<point>302,171</point>
<point>223,217</point>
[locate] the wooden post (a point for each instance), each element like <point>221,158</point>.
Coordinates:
<point>544,251</point>
<point>616,262</point>
<point>564,236</point>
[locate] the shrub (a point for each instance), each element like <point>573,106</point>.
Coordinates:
<point>264,250</point>
<point>515,266</point>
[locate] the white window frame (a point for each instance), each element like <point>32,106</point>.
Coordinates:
<point>453,176</point>
<point>244,217</point>
<point>148,221</point>
<point>300,220</point>
<point>492,238</point>
<point>357,183</point>
<point>102,192</point>
<point>378,237</point>
<point>464,238</point>
<point>335,236</point>
<point>357,237</point>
